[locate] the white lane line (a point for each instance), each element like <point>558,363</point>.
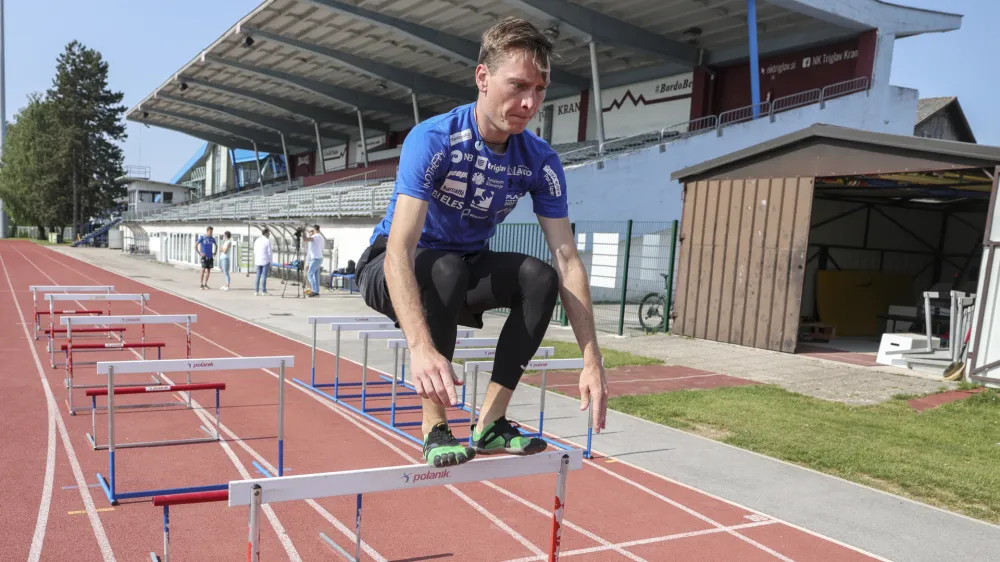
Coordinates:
<point>55,416</point>
<point>286,541</point>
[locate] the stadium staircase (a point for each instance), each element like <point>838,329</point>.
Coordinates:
<point>366,192</point>
<point>99,236</point>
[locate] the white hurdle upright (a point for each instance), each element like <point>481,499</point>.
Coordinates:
<point>140,320</point>
<point>141,298</point>
<point>256,493</point>
<point>36,289</point>
<point>112,368</point>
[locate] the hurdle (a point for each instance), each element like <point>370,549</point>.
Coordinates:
<point>255,493</point>
<point>112,368</point>
<point>366,336</point>
<point>473,368</point>
<point>464,349</point>
<point>36,289</point>
<point>141,298</point>
<point>140,320</point>
<point>339,324</point>
<point>93,393</point>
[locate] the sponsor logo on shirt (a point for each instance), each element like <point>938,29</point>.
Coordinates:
<point>457,156</point>
<point>432,168</point>
<point>510,201</point>
<point>448,200</point>
<point>551,178</point>
<point>520,170</point>
<point>482,199</point>
<point>460,174</point>
<point>481,162</point>
<point>461,137</point>
<point>454,187</point>
<point>478,178</point>
<point>494,183</point>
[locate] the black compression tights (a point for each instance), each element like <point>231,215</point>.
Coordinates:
<point>490,280</point>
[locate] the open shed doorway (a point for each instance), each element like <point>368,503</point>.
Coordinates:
<point>877,243</point>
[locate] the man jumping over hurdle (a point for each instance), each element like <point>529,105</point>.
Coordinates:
<point>429,267</point>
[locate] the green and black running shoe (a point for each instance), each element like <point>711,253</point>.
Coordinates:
<point>442,449</point>
<point>502,436</point>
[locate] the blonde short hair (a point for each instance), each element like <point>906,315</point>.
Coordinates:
<point>514,34</point>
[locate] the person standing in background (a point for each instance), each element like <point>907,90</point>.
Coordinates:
<point>314,257</point>
<point>206,246</point>
<point>224,260</point>
<point>262,256</point>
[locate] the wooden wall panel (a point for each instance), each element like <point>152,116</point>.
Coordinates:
<point>797,262</point>
<point>707,250</point>
<point>715,284</point>
<point>731,264</point>
<point>742,261</point>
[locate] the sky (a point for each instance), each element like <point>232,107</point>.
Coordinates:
<point>146,41</point>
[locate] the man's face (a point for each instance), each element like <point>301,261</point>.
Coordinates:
<point>512,94</point>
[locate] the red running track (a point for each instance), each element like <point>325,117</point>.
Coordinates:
<point>614,511</point>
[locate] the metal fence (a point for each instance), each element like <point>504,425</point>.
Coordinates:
<point>631,267</point>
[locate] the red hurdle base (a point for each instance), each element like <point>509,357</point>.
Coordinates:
<point>93,393</point>
<point>69,348</point>
<point>181,499</point>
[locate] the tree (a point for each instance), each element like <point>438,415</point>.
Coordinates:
<point>34,173</point>
<point>92,119</point>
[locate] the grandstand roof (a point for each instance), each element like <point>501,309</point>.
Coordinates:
<point>290,65</point>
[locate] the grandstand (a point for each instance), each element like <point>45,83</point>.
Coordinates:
<point>330,88</point>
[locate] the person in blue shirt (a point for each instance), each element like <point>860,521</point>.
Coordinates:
<point>205,246</point>
<point>429,266</point>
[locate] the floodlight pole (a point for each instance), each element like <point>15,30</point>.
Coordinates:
<point>3,117</point>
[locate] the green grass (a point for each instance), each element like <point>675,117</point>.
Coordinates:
<point>612,358</point>
<point>948,456</point>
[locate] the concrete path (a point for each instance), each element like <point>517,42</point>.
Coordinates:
<point>882,524</point>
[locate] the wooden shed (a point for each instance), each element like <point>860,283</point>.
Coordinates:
<point>827,225</point>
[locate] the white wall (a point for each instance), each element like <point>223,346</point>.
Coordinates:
<point>638,186</point>
<point>349,240</point>
<point>638,108</point>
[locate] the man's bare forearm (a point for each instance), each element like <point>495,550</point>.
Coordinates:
<point>575,293</point>
<point>405,296</point>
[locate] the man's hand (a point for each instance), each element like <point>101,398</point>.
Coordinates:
<point>594,389</point>
<point>433,376</point>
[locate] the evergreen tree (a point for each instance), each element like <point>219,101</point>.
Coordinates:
<point>33,173</point>
<point>92,119</point>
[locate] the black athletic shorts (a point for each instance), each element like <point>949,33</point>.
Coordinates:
<point>207,262</point>
<point>370,276</point>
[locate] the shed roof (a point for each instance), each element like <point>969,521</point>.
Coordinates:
<point>841,147</point>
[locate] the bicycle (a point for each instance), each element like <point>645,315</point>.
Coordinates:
<point>653,308</point>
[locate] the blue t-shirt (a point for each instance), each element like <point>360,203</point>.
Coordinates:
<point>469,188</point>
<point>207,245</point>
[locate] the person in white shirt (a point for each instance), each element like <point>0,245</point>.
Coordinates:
<point>262,259</point>
<point>224,258</point>
<point>314,257</point>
